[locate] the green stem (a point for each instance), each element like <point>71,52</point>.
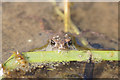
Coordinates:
<point>66,56</point>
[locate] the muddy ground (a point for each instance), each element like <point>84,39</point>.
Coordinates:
<point>22,24</point>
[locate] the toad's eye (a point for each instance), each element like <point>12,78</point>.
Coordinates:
<point>70,42</point>
<point>52,42</point>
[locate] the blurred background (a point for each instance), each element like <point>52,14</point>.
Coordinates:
<point>23,23</point>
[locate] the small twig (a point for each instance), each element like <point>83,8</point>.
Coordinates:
<point>66,15</point>
<point>72,27</point>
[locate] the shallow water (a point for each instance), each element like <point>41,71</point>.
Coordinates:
<point>72,69</point>
<point>22,31</point>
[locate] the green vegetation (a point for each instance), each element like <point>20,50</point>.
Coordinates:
<point>66,56</point>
